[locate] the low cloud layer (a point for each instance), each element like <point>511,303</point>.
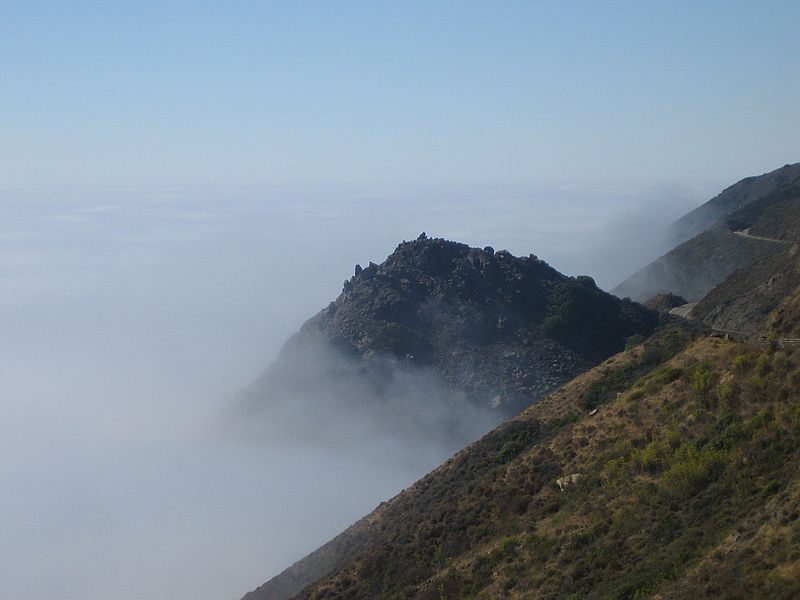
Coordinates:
<point>316,396</point>
<point>132,319</point>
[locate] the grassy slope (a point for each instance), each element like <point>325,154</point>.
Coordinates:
<point>689,474</point>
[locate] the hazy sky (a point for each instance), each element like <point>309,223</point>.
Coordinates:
<point>413,92</point>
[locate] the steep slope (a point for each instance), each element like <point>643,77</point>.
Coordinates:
<point>692,269</point>
<point>741,237</point>
<point>733,198</point>
<point>750,293</point>
<point>684,484</point>
<point>743,302</point>
<point>784,322</point>
<point>440,340</point>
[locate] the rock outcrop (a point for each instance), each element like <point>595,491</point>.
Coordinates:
<point>441,335</point>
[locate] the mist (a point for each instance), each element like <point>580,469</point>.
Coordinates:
<point>132,320</point>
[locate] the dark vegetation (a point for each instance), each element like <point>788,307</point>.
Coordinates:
<point>591,321</point>
<point>655,353</point>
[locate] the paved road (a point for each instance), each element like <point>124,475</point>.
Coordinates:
<point>745,233</point>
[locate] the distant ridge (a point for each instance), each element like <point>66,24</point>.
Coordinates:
<point>733,198</point>
<point>715,251</point>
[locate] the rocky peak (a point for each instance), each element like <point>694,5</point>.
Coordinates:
<point>474,287</point>
<point>495,332</point>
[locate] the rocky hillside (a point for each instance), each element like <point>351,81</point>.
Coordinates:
<point>683,483</point>
<point>748,215</point>
<point>440,340</point>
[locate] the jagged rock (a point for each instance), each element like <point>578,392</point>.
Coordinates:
<point>478,324</point>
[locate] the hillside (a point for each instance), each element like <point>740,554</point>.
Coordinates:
<point>686,475</point>
<point>751,292</point>
<point>739,239</point>
<point>668,471</point>
<point>440,340</point>
<point>692,269</point>
<point>731,199</point>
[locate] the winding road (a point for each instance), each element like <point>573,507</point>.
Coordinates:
<point>745,233</point>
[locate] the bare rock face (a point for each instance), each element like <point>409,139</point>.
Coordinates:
<point>439,340</point>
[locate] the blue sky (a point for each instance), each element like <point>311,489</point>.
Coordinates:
<point>193,93</point>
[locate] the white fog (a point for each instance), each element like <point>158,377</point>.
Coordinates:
<point>132,317</point>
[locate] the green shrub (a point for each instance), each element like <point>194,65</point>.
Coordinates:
<point>652,457</point>
<point>634,341</point>
<point>770,489</point>
<point>692,469</point>
<point>554,326</point>
<point>509,451</point>
<point>759,383</point>
<point>661,377</point>
<point>763,366</point>
<point>701,376</point>
<point>741,363</point>
<point>725,392</point>
<point>729,433</point>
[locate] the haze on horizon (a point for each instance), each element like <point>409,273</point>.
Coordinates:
<point>182,186</point>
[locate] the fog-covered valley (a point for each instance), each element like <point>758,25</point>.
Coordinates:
<point>132,318</point>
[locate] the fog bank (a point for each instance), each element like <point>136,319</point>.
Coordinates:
<point>131,318</point>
